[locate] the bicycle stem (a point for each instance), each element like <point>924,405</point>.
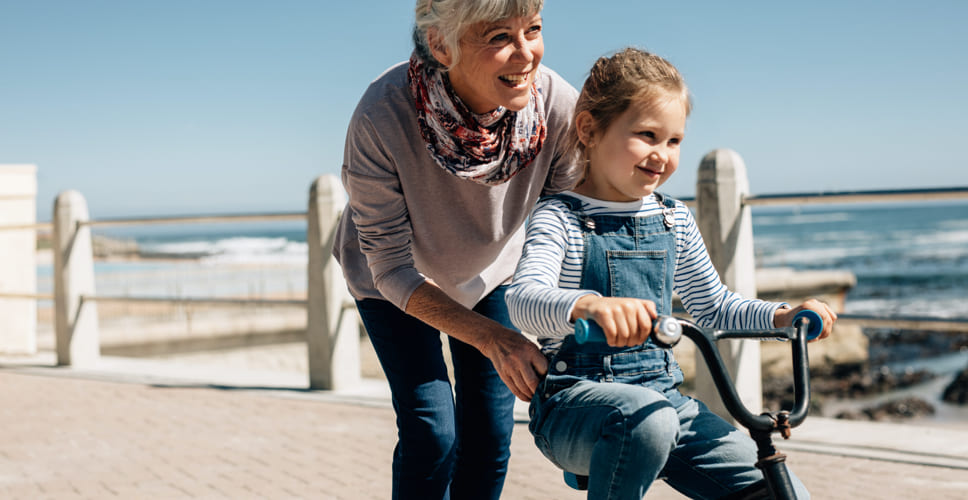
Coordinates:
<point>705,340</point>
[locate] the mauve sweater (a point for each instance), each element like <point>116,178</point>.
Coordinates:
<point>408,220</point>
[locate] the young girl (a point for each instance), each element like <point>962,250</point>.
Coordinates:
<point>614,250</point>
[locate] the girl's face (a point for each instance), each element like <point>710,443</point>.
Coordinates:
<point>637,153</point>
<point>498,63</point>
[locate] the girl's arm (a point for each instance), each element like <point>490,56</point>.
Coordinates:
<point>703,294</point>
<point>537,301</point>
<point>708,300</point>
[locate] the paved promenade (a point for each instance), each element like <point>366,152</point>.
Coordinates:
<point>156,429</point>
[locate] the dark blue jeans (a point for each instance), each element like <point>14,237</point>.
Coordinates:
<point>444,449</point>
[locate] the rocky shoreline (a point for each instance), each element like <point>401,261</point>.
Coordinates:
<point>856,381</point>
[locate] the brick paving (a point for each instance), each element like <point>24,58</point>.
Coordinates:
<point>64,436</point>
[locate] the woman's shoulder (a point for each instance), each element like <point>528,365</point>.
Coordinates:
<point>551,76</point>
<point>389,90</point>
<point>556,89</point>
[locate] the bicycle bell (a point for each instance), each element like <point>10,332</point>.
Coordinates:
<point>667,331</point>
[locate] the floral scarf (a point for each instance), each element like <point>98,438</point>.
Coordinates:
<point>488,149</point>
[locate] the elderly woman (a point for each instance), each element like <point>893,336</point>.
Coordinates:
<point>445,157</point>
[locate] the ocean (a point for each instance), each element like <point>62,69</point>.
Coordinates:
<point>909,259</point>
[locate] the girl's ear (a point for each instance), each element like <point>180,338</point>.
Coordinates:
<point>437,47</point>
<point>585,126</point>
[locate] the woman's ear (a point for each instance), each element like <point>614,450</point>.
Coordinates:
<point>437,47</point>
<point>585,126</point>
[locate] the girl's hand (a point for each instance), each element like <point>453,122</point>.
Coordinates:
<point>625,321</point>
<point>784,317</point>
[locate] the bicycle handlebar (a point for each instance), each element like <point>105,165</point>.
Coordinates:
<point>667,331</point>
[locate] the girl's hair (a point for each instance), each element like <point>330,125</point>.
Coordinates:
<point>615,82</point>
<point>452,18</point>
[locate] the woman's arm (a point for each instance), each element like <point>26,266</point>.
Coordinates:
<point>379,210</point>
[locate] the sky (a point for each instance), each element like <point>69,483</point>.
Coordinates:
<point>235,106</point>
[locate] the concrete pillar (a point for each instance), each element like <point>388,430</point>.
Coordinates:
<point>333,334</point>
<point>18,258</point>
<point>727,230</point>
<point>75,321</point>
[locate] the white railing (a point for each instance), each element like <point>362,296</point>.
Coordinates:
<point>722,206</point>
<point>332,328</point>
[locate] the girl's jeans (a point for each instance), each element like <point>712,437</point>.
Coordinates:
<point>620,420</point>
<point>443,450</point>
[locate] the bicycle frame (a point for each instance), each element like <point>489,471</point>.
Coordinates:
<point>668,331</point>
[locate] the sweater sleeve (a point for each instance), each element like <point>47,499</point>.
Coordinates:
<point>536,302</point>
<point>703,294</point>
<point>379,212</point>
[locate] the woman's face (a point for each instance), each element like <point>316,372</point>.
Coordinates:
<point>498,63</point>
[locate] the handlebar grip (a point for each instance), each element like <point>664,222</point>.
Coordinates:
<point>666,331</point>
<point>814,322</point>
<point>588,331</point>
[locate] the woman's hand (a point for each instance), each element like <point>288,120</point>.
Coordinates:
<point>626,322</point>
<point>517,360</point>
<point>784,317</point>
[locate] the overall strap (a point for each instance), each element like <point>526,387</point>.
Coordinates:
<point>669,212</point>
<point>664,200</point>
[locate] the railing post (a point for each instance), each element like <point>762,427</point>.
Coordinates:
<point>18,258</point>
<point>332,333</point>
<point>75,321</point>
<point>727,230</point>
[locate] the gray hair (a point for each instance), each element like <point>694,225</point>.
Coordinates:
<point>452,18</point>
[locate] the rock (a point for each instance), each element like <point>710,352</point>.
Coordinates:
<point>840,382</point>
<point>847,345</point>
<point>892,410</point>
<point>957,390</point>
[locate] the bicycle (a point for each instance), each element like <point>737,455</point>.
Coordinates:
<point>667,331</point>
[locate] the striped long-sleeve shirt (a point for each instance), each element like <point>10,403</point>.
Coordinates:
<point>546,283</point>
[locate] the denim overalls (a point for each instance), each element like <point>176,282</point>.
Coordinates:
<point>615,414</point>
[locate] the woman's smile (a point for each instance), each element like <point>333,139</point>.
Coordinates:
<point>516,80</point>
